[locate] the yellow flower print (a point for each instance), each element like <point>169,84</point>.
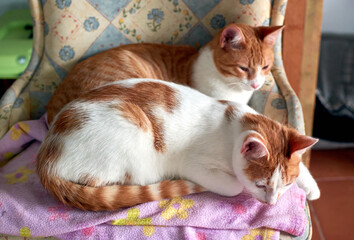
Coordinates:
<point>138,1</point>
<point>257,233</point>
<point>121,20</point>
<point>176,206</point>
<point>16,132</point>
<point>25,232</point>
<point>133,219</point>
<point>3,163</point>
<point>148,230</point>
<point>175,33</point>
<point>8,155</point>
<point>6,159</point>
<point>20,176</point>
<point>185,12</point>
<point>138,37</point>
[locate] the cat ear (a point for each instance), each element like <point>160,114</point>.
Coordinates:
<point>231,37</point>
<point>300,143</point>
<point>253,148</point>
<point>269,35</point>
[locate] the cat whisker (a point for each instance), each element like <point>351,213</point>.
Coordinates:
<point>238,84</point>
<point>233,84</point>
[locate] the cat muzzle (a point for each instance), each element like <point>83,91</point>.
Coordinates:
<point>272,198</point>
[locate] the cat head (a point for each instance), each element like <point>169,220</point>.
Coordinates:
<point>244,55</point>
<point>267,157</point>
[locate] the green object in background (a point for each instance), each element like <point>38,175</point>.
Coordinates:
<point>16,38</point>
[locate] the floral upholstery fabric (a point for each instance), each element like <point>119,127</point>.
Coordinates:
<point>67,31</point>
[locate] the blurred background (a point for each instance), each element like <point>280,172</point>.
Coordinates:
<point>17,35</point>
<point>333,214</point>
<point>335,86</point>
<point>319,61</point>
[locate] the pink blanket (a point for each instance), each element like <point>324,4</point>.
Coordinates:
<point>26,209</point>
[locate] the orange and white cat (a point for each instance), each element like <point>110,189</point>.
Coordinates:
<point>229,67</point>
<point>120,145</point>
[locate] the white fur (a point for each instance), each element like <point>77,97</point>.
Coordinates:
<point>307,183</point>
<point>201,145</point>
<point>208,80</point>
<point>276,187</point>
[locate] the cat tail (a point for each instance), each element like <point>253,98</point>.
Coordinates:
<point>115,196</point>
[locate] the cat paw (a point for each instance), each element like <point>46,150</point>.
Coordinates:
<point>313,193</point>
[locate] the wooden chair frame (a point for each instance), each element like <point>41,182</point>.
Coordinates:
<point>301,50</point>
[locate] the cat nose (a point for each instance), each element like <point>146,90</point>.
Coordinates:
<point>255,85</point>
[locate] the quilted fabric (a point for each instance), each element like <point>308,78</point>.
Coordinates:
<point>67,31</point>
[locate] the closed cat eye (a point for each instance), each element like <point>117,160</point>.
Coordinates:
<point>243,68</point>
<point>260,186</point>
<point>265,67</point>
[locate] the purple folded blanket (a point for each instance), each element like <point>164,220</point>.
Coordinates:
<point>26,209</point>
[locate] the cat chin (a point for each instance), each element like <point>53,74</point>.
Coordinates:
<point>256,194</point>
<point>251,194</point>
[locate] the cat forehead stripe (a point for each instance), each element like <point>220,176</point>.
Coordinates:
<point>275,178</point>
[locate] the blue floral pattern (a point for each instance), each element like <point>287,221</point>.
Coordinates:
<point>46,28</point>
<point>18,103</point>
<point>156,15</point>
<point>66,53</point>
<point>266,22</point>
<point>132,11</point>
<point>279,103</point>
<point>282,9</point>
<point>245,2</point>
<point>218,21</point>
<point>91,24</point>
<point>176,7</point>
<point>123,27</point>
<point>61,4</point>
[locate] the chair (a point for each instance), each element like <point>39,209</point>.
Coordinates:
<point>67,31</point>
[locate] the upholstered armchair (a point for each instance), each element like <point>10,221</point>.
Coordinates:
<point>67,31</point>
